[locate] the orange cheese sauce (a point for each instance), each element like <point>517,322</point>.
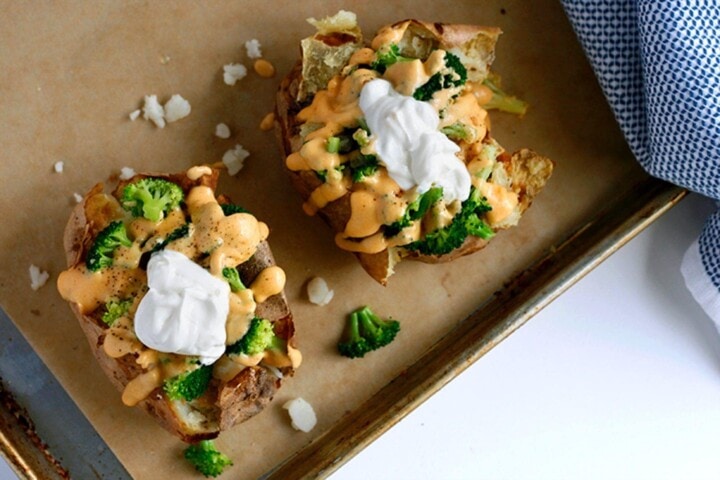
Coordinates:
<point>377,200</point>
<point>222,241</point>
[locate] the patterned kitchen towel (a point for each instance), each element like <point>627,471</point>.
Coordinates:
<point>658,63</point>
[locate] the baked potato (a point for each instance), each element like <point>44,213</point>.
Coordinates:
<point>390,142</point>
<point>114,242</point>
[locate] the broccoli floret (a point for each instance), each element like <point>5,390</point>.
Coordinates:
<point>455,76</point>
<point>502,101</point>
<point>366,332</point>
<point>387,56</point>
<point>415,211</point>
<point>259,337</point>
<point>151,198</point>
<point>189,385</point>
<point>363,166</point>
<point>467,222</point>
<point>361,137</point>
<point>206,458</point>
<point>101,253</point>
<point>333,145</point>
<point>230,209</point>
<point>115,309</point>
<point>233,277</point>
<point>459,131</point>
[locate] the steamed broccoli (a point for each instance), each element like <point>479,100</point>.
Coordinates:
<point>151,198</point>
<point>115,309</point>
<point>188,385</point>
<point>387,56</point>
<point>501,100</point>
<point>259,337</point>
<point>101,253</point>
<point>459,131</point>
<point>230,209</point>
<point>233,277</point>
<point>206,458</point>
<point>455,76</point>
<point>366,332</point>
<point>415,211</point>
<point>466,222</point>
<point>363,166</point>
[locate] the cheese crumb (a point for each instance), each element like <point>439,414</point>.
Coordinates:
<point>233,72</point>
<point>134,115</point>
<point>176,108</point>
<point>235,159</point>
<point>38,277</point>
<point>59,166</point>
<point>222,130</point>
<point>153,111</point>
<point>267,122</point>
<point>126,173</point>
<point>302,415</point>
<point>318,291</point>
<point>264,68</point>
<point>253,48</point>
<point>77,197</point>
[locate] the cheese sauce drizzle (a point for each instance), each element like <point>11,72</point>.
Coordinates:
<point>214,241</point>
<point>382,199</point>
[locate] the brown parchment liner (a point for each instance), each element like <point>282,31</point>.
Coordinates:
<point>73,71</point>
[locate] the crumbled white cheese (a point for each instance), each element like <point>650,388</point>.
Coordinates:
<point>126,173</point>
<point>318,291</point>
<point>222,130</point>
<point>59,166</point>
<point>253,48</point>
<point>37,277</point>
<point>235,159</point>
<point>134,115</point>
<point>302,415</point>
<point>153,111</point>
<point>233,72</point>
<point>78,198</point>
<point>176,108</point>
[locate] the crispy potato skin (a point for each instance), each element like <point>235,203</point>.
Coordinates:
<point>229,403</point>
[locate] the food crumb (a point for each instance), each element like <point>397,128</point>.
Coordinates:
<point>234,159</point>
<point>302,415</point>
<point>126,173</point>
<point>233,72</point>
<point>318,291</point>
<point>153,111</point>
<point>222,130</point>
<point>176,108</point>
<point>38,277</point>
<point>264,68</point>
<point>134,115</point>
<point>164,59</point>
<point>77,197</point>
<point>267,122</point>
<point>59,166</point>
<point>253,48</point>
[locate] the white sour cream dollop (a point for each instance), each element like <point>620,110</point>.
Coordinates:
<point>409,144</point>
<point>185,309</point>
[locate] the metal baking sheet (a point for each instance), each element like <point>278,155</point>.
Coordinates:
<point>71,73</point>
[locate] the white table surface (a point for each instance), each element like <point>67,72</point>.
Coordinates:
<point>617,379</point>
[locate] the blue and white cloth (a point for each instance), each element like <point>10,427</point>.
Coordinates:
<point>658,63</point>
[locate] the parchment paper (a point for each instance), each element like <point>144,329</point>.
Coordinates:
<point>73,71</point>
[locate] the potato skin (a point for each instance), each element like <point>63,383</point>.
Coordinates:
<point>228,403</point>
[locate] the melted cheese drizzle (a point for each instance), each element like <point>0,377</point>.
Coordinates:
<point>378,200</point>
<point>227,241</point>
